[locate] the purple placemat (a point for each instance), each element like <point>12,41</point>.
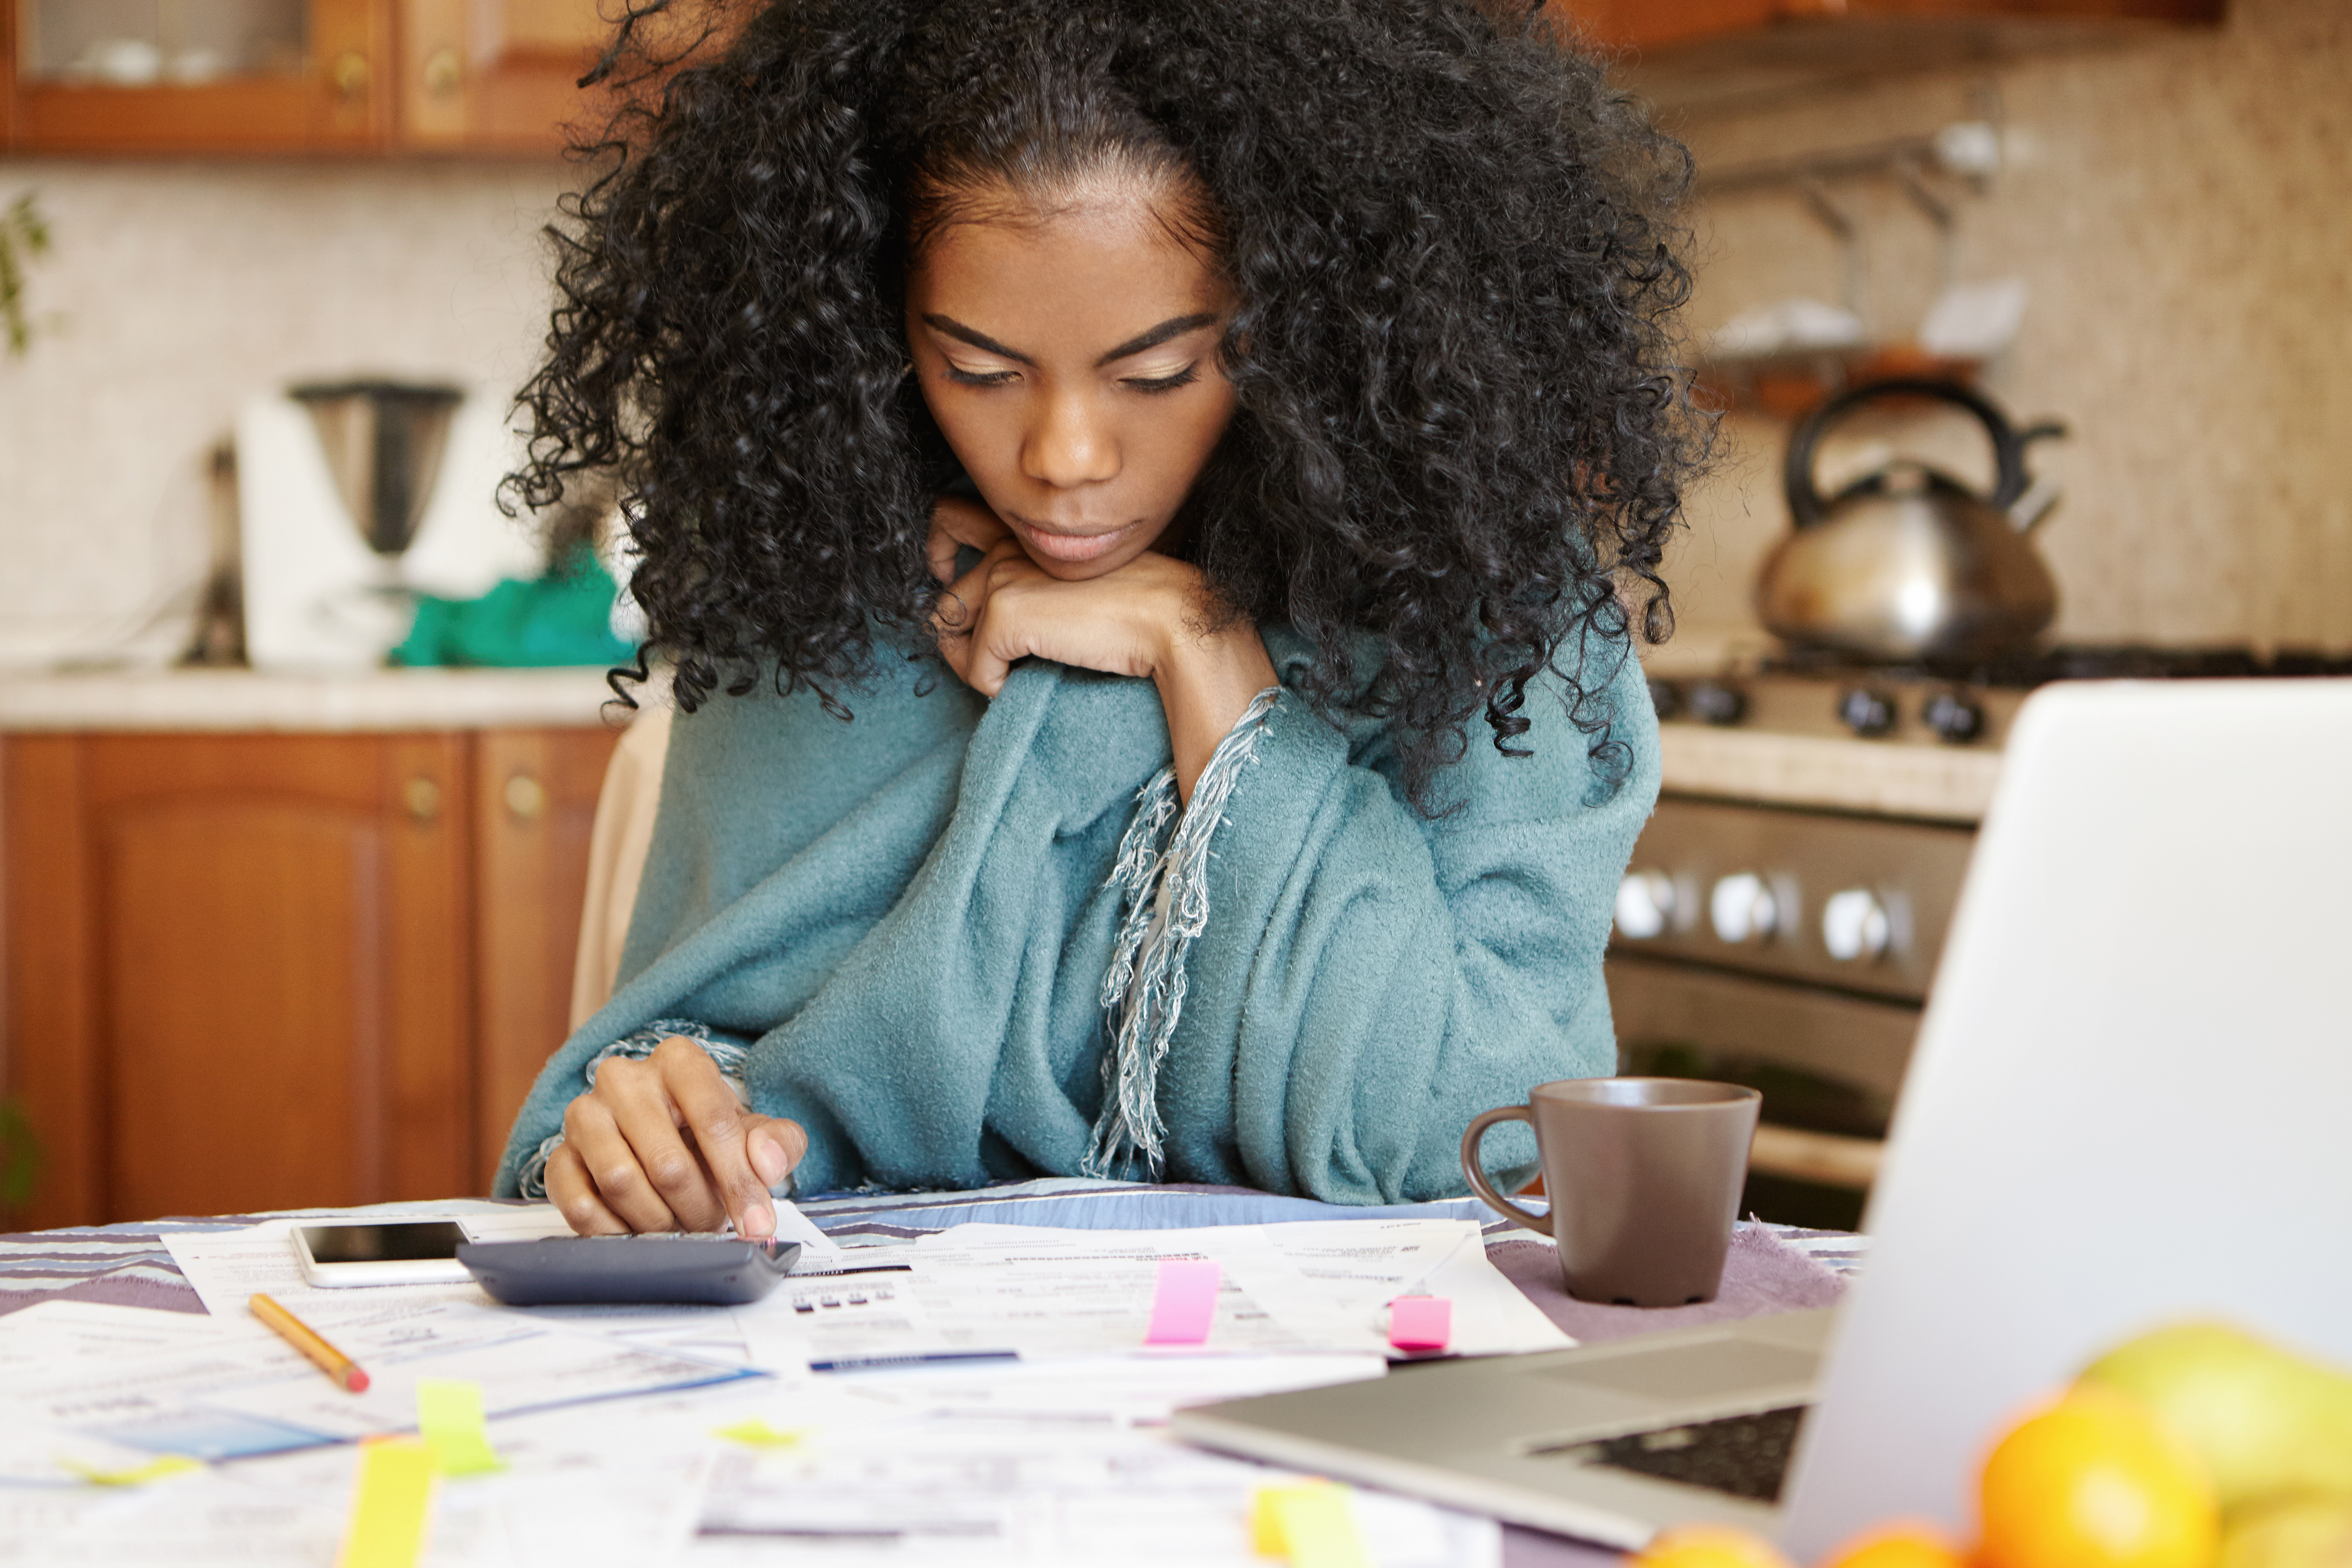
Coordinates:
<point>1762,1273</point>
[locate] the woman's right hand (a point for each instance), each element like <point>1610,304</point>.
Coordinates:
<point>664,1144</point>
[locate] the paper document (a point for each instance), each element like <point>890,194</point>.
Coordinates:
<point>939,1298</point>
<point>1035,1463</point>
<point>605,1485</point>
<point>1325,1283</point>
<point>243,1391</point>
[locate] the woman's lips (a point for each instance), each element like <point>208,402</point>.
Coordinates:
<point>1073,547</point>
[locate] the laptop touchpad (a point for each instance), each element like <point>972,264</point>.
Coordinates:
<point>1723,1368</point>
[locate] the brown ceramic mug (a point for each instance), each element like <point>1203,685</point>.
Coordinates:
<point>1643,1176</point>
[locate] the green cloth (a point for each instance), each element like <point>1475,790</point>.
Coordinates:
<point>564,617</point>
<point>908,918</point>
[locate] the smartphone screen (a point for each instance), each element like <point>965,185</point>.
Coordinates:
<point>404,1241</point>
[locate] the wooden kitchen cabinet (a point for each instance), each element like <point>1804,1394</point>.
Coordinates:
<point>1718,54</point>
<point>495,76</point>
<point>349,76</point>
<point>534,801</point>
<point>1663,24</point>
<point>263,971</point>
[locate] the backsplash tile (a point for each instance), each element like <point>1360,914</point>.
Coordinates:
<point>2181,207</point>
<point>179,289</point>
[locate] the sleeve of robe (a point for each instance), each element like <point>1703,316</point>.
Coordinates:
<point>1370,979</point>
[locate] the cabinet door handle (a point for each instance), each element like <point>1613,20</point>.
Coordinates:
<point>525,797</point>
<point>350,75</point>
<point>422,796</point>
<point>443,71</point>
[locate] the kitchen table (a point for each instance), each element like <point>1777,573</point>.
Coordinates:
<point>1770,1268</point>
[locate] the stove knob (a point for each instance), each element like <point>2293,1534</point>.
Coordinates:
<point>1717,704</point>
<point>1645,905</point>
<point>1854,925</point>
<point>1665,697</point>
<point>1742,907</point>
<point>1956,718</point>
<point>1867,713</point>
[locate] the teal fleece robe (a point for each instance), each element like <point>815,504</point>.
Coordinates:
<point>907,920</point>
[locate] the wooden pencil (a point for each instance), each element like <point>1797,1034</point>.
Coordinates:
<point>303,1338</point>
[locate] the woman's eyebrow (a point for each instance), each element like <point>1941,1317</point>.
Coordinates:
<point>1174,327</point>
<point>976,338</point>
<point>1152,338</point>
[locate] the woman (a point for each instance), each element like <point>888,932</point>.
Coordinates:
<point>1140,498</point>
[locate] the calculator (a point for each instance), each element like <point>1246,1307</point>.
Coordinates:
<point>673,1267</point>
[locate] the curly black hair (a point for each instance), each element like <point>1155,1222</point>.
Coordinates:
<point>1461,435</point>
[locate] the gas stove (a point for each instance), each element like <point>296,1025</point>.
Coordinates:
<point>1792,948</point>
<point>1958,703</point>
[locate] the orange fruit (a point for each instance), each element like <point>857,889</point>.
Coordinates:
<point>1900,1545</point>
<point>2095,1480</point>
<point>1706,1546</point>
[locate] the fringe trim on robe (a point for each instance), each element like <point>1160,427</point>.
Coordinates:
<point>1167,906</point>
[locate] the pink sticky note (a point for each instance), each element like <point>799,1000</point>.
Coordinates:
<point>1421,1322</point>
<point>1183,1302</point>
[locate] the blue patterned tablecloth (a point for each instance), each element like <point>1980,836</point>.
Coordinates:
<point>128,1264</point>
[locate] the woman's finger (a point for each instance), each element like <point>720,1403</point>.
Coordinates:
<point>1006,626</point>
<point>642,1099</point>
<point>775,1146</point>
<point>955,523</point>
<point>959,610</point>
<point>574,1196</point>
<point>714,1119</point>
<point>611,1165</point>
<point>985,662</point>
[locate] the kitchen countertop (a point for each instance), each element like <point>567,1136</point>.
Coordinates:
<point>1948,783</point>
<point>1787,770</point>
<point>244,699</point>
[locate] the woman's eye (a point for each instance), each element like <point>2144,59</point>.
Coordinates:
<point>1150,383</point>
<point>981,377</point>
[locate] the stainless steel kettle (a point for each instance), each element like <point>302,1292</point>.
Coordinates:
<point>1906,563</point>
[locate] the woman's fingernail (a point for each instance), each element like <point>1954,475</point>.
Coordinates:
<point>757,1222</point>
<point>769,1159</point>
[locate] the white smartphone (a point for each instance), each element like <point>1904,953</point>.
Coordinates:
<point>399,1252</point>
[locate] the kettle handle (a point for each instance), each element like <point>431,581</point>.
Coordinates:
<point>1805,502</point>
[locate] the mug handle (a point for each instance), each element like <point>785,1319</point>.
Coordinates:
<point>1478,1183</point>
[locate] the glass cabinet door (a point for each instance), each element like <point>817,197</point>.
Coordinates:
<point>174,76</point>
<point>147,43</point>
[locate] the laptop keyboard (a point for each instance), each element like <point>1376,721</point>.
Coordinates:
<point>1745,1455</point>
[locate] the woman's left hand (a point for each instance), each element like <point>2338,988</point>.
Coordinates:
<point>1152,618</point>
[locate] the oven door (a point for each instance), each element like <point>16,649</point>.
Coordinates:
<point>1829,1064</point>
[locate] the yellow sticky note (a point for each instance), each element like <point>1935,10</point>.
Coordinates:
<point>449,1415</point>
<point>759,1434</point>
<point>139,1476</point>
<point>1309,1526</point>
<point>393,1505</point>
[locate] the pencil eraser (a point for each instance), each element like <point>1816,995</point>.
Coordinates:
<point>355,1380</point>
<point>1421,1322</point>
<point>1183,1302</point>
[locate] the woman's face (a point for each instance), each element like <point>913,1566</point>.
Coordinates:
<point>1071,361</point>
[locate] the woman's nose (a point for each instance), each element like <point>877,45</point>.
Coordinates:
<point>1070,444</point>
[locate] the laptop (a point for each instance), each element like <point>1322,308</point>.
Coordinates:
<point>2127,1105</point>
